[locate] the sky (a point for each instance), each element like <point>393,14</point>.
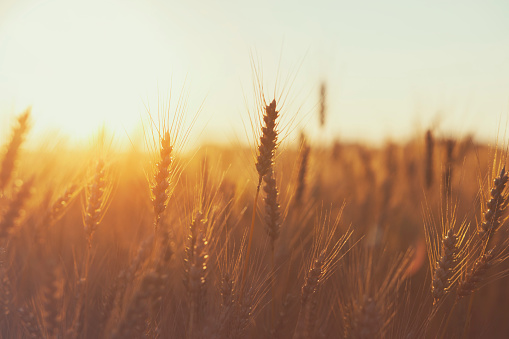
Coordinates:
<point>391,67</point>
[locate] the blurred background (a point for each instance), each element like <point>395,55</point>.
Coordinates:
<point>391,68</point>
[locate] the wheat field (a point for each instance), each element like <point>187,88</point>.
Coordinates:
<point>401,240</point>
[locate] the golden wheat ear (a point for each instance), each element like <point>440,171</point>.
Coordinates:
<point>97,196</point>
<point>18,136</point>
<point>161,181</point>
<point>264,162</point>
<point>495,207</point>
<point>195,262</point>
<point>327,251</point>
<point>14,210</point>
<point>268,141</point>
<point>476,275</point>
<point>445,266</point>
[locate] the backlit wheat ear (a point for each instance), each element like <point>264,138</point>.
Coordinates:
<point>268,141</point>
<point>226,290</point>
<point>327,248</point>
<point>96,195</point>
<point>197,286</point>
<point>307,315</point>
<point>55,212</point>
<point>243,314</point>
<point>61,204</point>
<point>264,161</point>
<point>476,275</point>
<point>160,191</point>
<point>194,230</point>
<point>495,207</point>
<point>227,305</point>
<point>14,210</point>
<point>448,248</point>
<point>9,160</point>
<point>445,265</point>
<point>195,273</point>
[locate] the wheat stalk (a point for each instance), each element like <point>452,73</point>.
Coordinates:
<point>448,168</point>
<point>429,159</point>
<point>264,161</point>
<point>301,174</point>
<point>53,299</point>
<point>9,160</point>
<point>323,104</point>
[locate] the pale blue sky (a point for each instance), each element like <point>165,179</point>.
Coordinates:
<point>390,65</point>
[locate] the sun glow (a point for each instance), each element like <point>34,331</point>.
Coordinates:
<point>82,64</point>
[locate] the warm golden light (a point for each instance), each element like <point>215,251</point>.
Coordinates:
<point>265,169</point>
<point>82,64</point>
<point>388,68</point>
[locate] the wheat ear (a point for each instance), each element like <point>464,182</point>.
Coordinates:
<point>161,184</point>
<point>195,273</point>
<point>266,151</point>
<point>475,276</point>
<point>14,210</point>
<point>495,206</point>
<point>444,267</point>
<point>197,286</point>
<point>307,314</point>
<point>96,201</point>
<point>9,160</point>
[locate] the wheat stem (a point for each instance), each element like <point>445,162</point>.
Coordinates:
<point>250,240</point>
